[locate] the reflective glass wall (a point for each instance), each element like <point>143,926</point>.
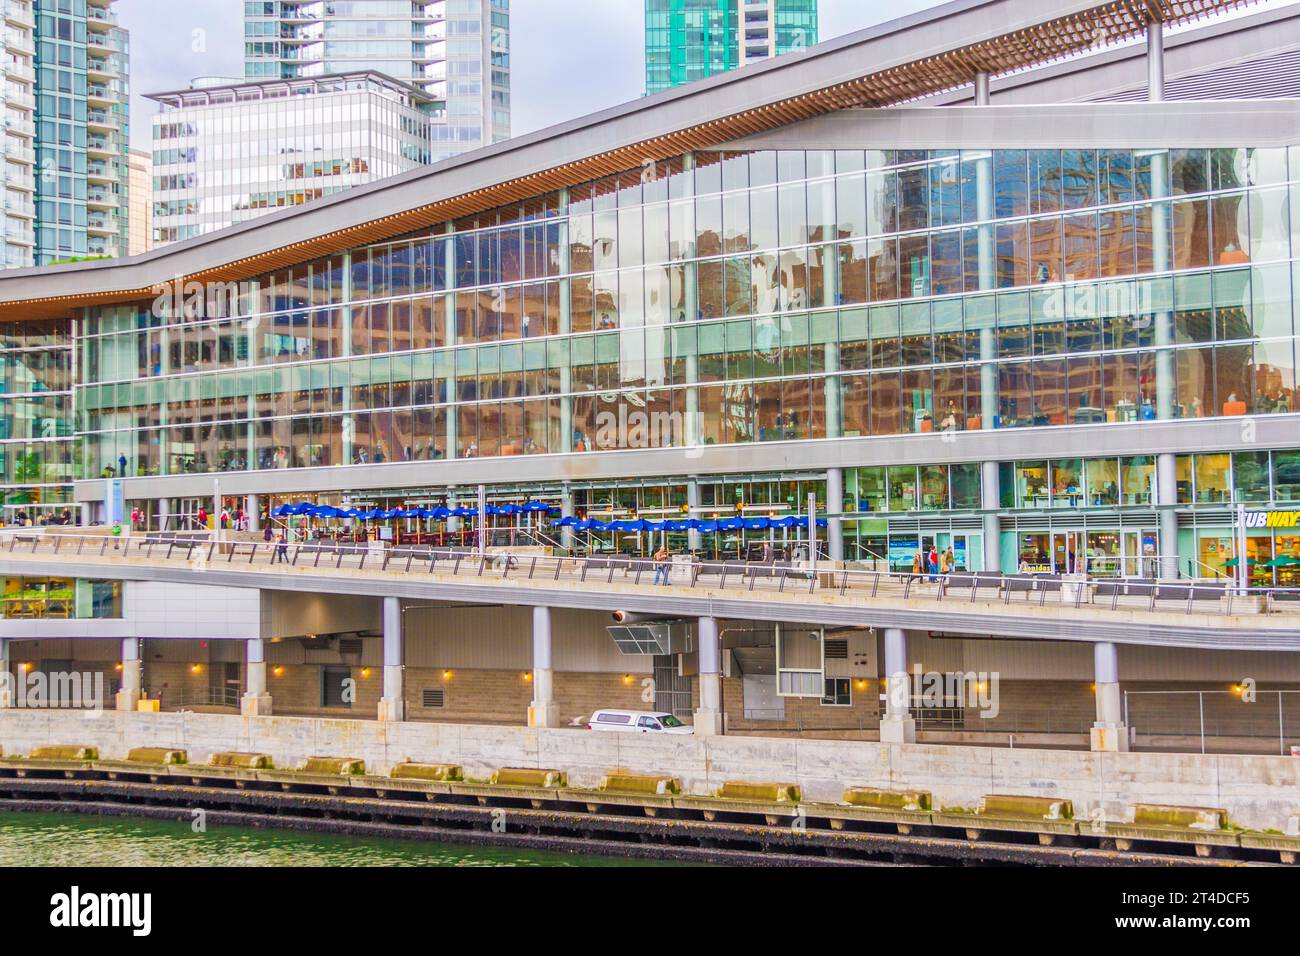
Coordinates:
<point>734,298</point>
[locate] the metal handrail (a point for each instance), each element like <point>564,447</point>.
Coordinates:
<point>781,577</point>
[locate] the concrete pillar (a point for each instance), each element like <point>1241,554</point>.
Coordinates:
<point>708,719</point>
<point>216,510</point>
<point>991,503</point>
<point>693,538</point>
<point>253,508</point>
<point>566,511</point>
<point>1109,732</point>
<point>163,510</point>
<point>6,676</point>
<point>897,726</point>
<point>454,525</point>
<point>391,705</point>
<point>981,89</point>
<point>543,712</point>
<point>835,508</point>
<point>1167,501</point>
<point>128,694</point>
<point>256,701</point>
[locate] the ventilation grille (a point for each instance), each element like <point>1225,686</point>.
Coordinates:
<point>432,697</point>
<point>1263,78</point>
<point>350,645</point>
<point>837,650</point>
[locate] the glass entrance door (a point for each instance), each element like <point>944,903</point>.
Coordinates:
<point>1066,551</point>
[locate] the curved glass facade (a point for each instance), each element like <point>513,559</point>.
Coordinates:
<point>734,298</point>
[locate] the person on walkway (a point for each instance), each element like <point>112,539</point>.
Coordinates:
<point>944,566</point>
<point>918,563</point>
<point>662,558</point>
<point>933,563</point>
<point>281,549</point>
<point>202,518</point>
<point>267,534</point>
<point>951,557</point>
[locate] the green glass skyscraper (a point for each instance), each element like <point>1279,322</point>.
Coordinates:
<point>687,40</point>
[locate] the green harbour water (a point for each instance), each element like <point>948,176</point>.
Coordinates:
<point>69,839</point>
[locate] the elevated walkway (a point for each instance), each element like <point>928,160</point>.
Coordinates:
<point>1176,614</point>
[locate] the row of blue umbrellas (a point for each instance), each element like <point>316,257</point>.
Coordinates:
<point>440,513</point>
<point>692,524</point>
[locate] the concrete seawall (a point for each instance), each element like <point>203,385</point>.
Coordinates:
<point>1258,792</point>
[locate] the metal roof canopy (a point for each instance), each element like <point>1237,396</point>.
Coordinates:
<point>904,60</point>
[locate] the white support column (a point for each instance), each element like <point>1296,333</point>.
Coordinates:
<point>256,701</point>
<point>835,508</point>
<point>1166,398</point>
<point>216,510</point>
<point>391,705</point>
<point>128,694</point>
<point>1109,732</point>
<point>708,719</point>
<point>253,509</point>
<point>1167,501</point>
<point>897,726</point>
<point>543,712</point>
<point>566,511</point>
<point>7,681</point>
<point>1155,61</point>
<point>163,513</point>
<point>991,493</point>
<point>693,539</point>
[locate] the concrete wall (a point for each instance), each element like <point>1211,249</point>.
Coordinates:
<point>1257,792</point>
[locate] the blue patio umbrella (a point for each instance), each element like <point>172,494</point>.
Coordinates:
<point>568,521</point>
<point>757,524</point>
<point>633,524</point>
<point>535,506</point>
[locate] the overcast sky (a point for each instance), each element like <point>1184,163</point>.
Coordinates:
<point>569,57</point>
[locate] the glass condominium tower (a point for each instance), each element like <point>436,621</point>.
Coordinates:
<point>689,40</point>
<point>455,51</point>
<point>81,130</point>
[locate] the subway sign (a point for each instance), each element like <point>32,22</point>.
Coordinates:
<point>1272,519</point>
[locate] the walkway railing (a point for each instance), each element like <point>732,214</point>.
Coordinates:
<point>775,577</point>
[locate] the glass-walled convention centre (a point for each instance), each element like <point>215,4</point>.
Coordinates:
<point>773,297</point>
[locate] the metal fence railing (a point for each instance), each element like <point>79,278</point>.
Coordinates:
<point>1043,590</point>
<point>1266,715</point>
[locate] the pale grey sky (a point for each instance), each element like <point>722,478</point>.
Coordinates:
<point>568,57</point>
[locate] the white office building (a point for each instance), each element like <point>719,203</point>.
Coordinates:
<point>456,51</point>
<point>226,152</point>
